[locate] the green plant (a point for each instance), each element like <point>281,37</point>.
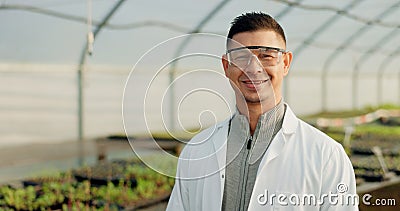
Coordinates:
<point>62,177</point>
<point>62,192</point>
<point>76,206</point>
<point>20,199</point>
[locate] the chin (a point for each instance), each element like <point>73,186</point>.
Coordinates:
<point>251,100</point>
<point>256,99</point>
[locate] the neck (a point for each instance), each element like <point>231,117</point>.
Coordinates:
<point>253,111</point>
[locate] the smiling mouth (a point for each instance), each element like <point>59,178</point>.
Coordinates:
<point>253,85</point>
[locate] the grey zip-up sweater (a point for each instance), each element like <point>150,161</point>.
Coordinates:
<point>244,153</point>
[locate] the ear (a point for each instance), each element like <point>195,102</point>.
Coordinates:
<point>225,64</point>
<point>287,61</point>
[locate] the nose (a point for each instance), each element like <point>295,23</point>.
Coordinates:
<point>254,65</point>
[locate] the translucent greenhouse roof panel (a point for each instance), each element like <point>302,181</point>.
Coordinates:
<point>371,8</point>
<point>299,23</point>
<point>313,28</point>
<point>30,37</point>
<point>220,22</point>
<point>76,9</point>
<point>177,13</point>
<point>45,31</point>
<point>340,32</point>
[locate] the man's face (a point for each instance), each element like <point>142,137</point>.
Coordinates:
<point>255,80</point>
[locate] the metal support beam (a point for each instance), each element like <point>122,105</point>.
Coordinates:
<point>182,46</point>
<point>80,79</point>
<point>366,55</point>
<point>382,68</point>
<point>310,39</point>
<point>314,35</point>
<point>281,14</point>
<point>285,11</point>
<point>329,8</point>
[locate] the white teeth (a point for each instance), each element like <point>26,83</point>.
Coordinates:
<point>254,82</point>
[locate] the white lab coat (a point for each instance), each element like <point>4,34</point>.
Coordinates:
<point>300,160</point>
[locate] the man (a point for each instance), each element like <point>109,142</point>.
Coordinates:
<point>263,157</point>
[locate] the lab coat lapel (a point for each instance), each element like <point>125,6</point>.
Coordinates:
<point>220,146</point>
<point>289,126</point>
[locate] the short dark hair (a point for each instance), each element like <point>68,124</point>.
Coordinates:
<point>253,21</point>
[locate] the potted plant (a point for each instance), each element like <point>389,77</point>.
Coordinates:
<point>101,174</point>
<point>54,177</point>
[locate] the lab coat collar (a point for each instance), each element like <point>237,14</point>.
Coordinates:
<point>290,121</point>
<point>289,127</point>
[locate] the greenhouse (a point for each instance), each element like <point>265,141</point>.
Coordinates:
<point>100,97</point>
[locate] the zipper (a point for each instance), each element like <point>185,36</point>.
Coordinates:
<point>249,142</point>
<point>245,173</point>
